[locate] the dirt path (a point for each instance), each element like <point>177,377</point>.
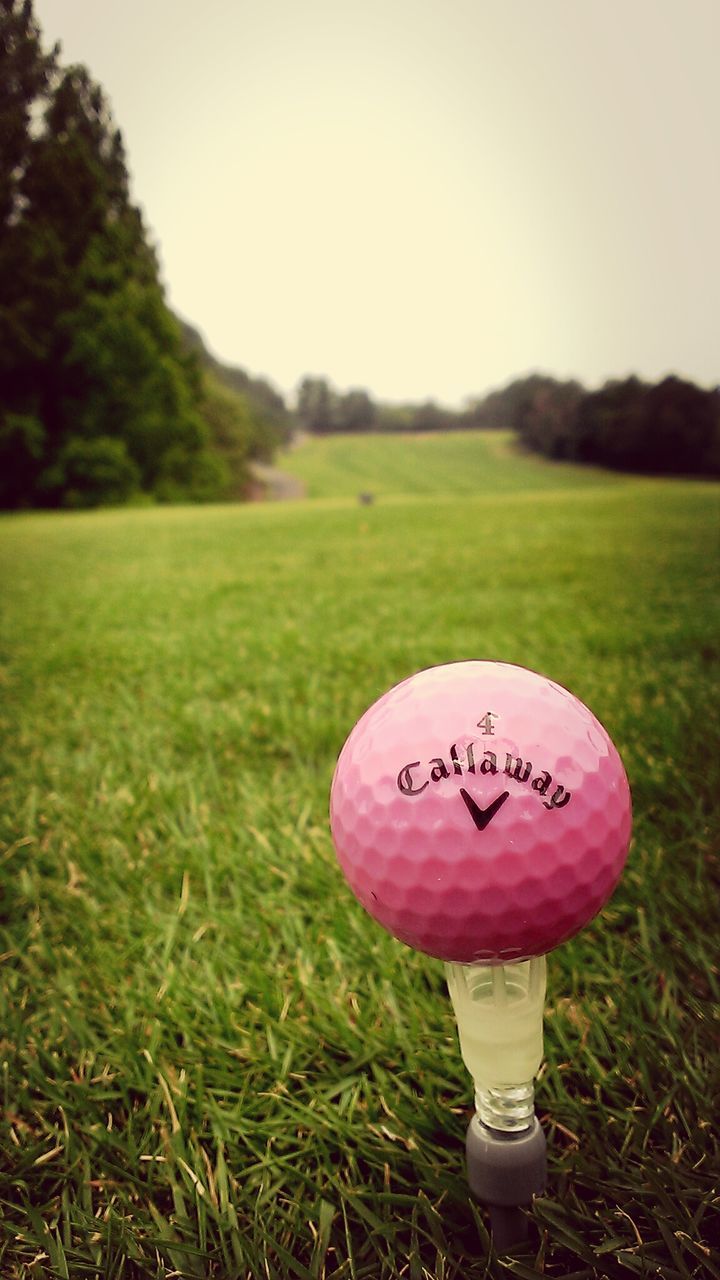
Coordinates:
<point>275,485</point>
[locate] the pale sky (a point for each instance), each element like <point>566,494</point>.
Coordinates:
<point>425,198</point>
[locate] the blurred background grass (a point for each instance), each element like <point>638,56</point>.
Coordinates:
<point>432,462</point>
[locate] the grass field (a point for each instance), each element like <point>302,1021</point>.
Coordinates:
<point>214,1064</point>
<point>451,462</point>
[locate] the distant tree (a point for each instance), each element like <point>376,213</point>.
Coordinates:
<point>316,406</point>
<point>611,428</point>
<point>682,426</point>
<point>711,460</point>
<point>355,411</point>
<point>394,417</point>
<point>505,406</point>
<point>232,429</point>
<point>429,417</point>
<point>544,413</point>
<point>670,428</point>
<point>262,408</point>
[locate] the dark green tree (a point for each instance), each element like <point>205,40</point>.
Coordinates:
<point>503,407</point>
<point>22,450</point>
<point>612,428</point>
<point>25,73</point>
<point>430,417</point>
<point>232,430</point>
<point>316,406</point>
<point>672,427</point>
<point>267,423</point>
<point>682,426</point>
<point>544,413</point>
<point>25,76</point>
<point>88,348</point>
<point>355,411</point>
<point>90,472</point>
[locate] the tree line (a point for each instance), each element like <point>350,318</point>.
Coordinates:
<point>103,394</point>
<point>106,396</point>
<point>321,409</point>
<point>669,427</point>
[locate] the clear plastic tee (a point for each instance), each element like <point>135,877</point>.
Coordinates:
<point>499,1011</point>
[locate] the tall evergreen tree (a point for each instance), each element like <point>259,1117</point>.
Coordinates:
<point>25,76</point>
<point>88,349</point>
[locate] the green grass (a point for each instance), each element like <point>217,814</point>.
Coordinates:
<point>448,462</point>
<point>214,1064</point>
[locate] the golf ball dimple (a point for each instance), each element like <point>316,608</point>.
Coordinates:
<point>480,812</point>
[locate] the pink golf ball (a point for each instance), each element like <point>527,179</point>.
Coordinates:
<point>480,812</point>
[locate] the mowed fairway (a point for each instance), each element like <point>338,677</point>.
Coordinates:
<point>451,462</point>
<point>214,1064</point>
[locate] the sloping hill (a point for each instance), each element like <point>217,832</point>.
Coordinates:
<point>461,462</point>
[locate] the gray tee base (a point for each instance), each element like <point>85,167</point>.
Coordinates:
<point>504,1172</point>
<point>509,1227</point>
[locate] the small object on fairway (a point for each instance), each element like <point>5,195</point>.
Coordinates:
<point>480,813</point>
